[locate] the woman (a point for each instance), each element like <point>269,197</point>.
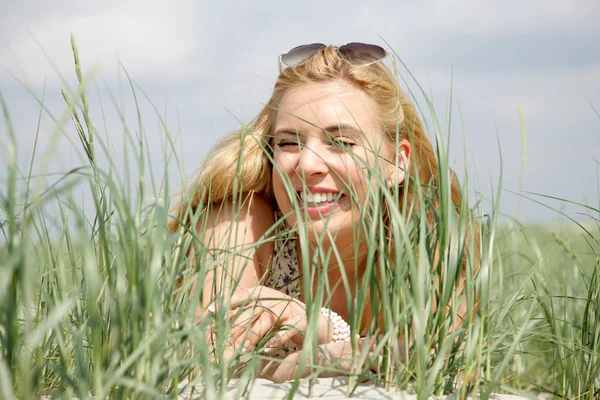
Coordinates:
<point>293,196</point>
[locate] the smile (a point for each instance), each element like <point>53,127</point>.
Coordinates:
<point>318,198</point>
<point>317,204</point>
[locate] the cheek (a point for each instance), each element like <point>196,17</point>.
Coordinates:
<point>283,164</point>
<point>354,171</point>
<point>361,185</point>
<point>278,185</point>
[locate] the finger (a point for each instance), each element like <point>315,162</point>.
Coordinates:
<point>242,296</point>
<point>217,344</point>
<point>239,297</point>
<point>224,355</point>
<point>210,338</point>
<point>202,313</point>
<point>293,331</point>
<point>257,331</point>
<point>241,314</point>
<point>243,321</point>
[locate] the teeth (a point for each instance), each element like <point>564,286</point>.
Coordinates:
<point>318,197</point>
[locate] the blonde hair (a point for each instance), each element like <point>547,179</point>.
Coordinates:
<point>399,119</point>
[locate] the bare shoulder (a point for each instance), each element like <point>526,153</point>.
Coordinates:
<point>253,210</point>
<point>240,225</point>
<point>257,206</point>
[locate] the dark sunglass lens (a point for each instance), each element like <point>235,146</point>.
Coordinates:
<point>298,54</point>
<point>362,53</point>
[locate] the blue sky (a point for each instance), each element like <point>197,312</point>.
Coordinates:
<point>209,65</point>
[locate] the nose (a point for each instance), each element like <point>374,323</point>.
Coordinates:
<point>312,161</point>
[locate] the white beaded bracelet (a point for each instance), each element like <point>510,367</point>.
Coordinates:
<point>341,329</point>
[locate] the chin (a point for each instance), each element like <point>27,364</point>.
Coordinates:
<point>323,231</point>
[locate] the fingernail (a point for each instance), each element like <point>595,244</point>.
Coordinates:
<point>211,308</point>
<point>246,346</point>
<point>273,341</point>
<point>232,340</point>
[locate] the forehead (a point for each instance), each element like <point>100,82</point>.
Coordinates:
<point>314,105</point>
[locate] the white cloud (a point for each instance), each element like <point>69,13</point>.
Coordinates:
<point>557,94</point>
<point>529,53</point>
<point>149,38</point>
<point>511,17</point>
<point>189,39</point>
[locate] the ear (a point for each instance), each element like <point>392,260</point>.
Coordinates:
<point>398,170</point>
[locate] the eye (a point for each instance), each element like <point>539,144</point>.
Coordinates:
<point>288,143</point>
<point>342,142</point>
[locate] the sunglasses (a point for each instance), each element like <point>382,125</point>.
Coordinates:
<point>355,53</point>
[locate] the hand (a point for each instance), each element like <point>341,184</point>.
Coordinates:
<point>256,312</point>
<point>343,357</point>
<point>336,358</point>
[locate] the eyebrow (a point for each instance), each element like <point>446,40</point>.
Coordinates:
<point>332,128</point>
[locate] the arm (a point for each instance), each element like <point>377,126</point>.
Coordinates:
<point>235,228</point>
<point>254,308</point>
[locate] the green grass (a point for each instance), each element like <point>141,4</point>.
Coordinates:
<point>93,303</point>
<point>555,271</point>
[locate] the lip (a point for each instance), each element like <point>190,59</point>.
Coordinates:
<point>317,189</point>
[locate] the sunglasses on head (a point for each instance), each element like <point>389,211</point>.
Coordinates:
<point>355,53</point>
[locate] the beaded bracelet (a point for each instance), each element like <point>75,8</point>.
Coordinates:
<point>341,329</point>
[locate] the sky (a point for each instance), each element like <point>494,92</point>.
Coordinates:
<point>205,67</point>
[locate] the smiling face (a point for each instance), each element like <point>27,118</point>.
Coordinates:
<point>327,137</point>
